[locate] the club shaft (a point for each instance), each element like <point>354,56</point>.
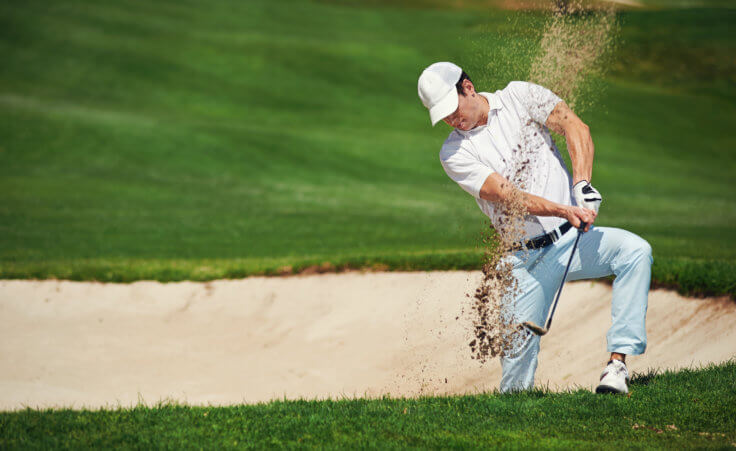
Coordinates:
<point>564,276</point>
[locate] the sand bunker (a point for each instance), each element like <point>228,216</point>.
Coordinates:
<point>227,342</point>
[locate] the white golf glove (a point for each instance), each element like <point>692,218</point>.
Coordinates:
<point>586,196</point>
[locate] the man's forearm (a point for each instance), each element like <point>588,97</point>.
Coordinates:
<point>539,206</point>
<point>497,189</point>
<point>580,147</point>
<point>579,141</point>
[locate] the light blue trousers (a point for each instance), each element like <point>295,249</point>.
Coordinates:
<point>602,251</point>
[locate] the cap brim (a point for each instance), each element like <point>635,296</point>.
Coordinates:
<point>444,107</point>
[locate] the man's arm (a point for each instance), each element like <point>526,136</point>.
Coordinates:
<point>579,142</point>
<point>496,188</point>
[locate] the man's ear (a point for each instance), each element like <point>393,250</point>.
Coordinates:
<point>468,88</point>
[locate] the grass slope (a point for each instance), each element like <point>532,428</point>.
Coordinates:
<point>177,140</point>
<point>692,408</point>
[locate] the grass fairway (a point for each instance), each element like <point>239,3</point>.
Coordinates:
<point>671,410</point>
<point>197,140</point>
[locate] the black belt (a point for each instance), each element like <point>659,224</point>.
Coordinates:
<point>549,238</point>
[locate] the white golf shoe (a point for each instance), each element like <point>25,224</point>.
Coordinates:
<point>614,379</point>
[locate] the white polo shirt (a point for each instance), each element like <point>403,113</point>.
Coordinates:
<point>515,131</point>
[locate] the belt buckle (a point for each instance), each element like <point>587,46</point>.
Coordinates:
<point>555,235</point>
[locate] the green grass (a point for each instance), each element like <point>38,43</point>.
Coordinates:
<point>150,140</point>
<point>691,408</point>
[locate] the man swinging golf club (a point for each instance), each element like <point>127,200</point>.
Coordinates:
<point>488,127</point>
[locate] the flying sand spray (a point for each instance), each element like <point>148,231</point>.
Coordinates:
<point>574,39</point>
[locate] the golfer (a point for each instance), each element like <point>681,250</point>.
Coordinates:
<point>479,155</point>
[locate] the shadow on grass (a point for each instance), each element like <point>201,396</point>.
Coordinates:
<point>645,378</point>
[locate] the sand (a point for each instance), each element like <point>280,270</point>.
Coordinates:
<point>94,345</point>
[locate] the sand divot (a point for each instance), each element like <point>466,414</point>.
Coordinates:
<point>335,335</point>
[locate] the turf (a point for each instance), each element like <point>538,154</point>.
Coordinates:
<point>692,408</point>
<point>151,140</point>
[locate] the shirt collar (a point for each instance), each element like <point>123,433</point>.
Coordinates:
<point>494,103</point>
<point>493,100</point>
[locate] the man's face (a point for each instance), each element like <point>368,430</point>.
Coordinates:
<point>469,113</point>
<point>462,116</point>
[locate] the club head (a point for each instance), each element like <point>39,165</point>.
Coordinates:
<point>534,328</point>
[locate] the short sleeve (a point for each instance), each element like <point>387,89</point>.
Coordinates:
<point>464,169</point>
<point>537,100</point>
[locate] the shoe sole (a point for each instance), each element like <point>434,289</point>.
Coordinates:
<point>602,389</point>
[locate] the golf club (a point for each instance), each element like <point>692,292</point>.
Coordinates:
<point>543,330</point>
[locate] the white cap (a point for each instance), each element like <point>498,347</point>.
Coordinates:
<point>437,89</point>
